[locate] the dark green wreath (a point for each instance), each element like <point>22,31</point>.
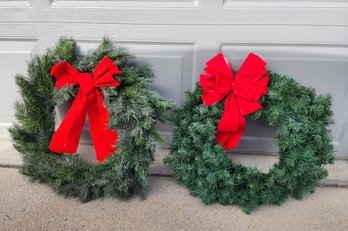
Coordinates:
<point>132,106</point>
<point>304,140</point>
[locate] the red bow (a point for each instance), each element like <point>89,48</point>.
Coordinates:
<point>242,91</point>
<point>89,99</point>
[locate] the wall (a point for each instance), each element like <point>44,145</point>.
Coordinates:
<point>305,39</point>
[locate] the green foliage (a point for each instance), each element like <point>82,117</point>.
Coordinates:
<point>303,137</point>
<point>132,106</point>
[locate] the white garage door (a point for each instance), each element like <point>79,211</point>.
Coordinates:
<point>306,39</point>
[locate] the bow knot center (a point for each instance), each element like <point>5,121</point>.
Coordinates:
<point>86,83</point>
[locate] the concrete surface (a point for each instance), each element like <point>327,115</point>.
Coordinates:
<point>338,172</point>
<point>28,206</point>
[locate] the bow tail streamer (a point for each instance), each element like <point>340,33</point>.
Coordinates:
<point>67,136</point>
<point>231,126</point>
<point>103,137</point>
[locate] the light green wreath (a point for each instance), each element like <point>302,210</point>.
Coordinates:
<point>304,140</point>
<point>132,106</point>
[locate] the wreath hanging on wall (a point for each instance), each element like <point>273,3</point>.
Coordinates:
<point>211,122</point>
<point>113,90</point>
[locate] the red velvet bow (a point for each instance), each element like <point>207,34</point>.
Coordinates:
<point>88,99</point>
<point>241,92</point>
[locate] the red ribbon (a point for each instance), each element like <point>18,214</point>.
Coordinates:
<point>90,100</point>
<point>241,94</point>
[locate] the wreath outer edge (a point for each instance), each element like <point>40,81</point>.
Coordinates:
<point>303,136</point>
<point>132,106</point>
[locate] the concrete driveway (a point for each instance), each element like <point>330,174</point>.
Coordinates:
<point>28,206</point>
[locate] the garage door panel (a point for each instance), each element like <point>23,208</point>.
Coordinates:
<point>324,68</point>
<point>171,63</point>
<point>14,3</point>
<point>285,3</point>
<point>195,12</point>
<point>124,3</point>
<point>14,55</point>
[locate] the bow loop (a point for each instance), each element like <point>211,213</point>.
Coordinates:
<point>253,68</point>
<point>218,64</point>
<point>241,94</point>
<point>217,84</point>
<point>65,74</point>
<point>104,72</point>
<point>251,81</point>
<point>89,100</point>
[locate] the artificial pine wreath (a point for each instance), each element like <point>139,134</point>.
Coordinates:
<point>114,89</point>
<point>212,120</point>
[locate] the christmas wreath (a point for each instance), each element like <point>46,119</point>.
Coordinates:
<point>113,90</point>
<point>212,121</point>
